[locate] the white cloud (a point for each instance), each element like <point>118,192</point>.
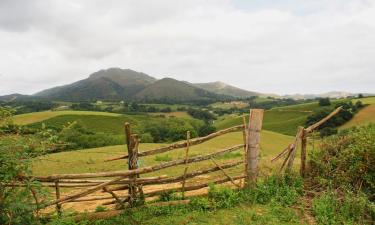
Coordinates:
<point>268,46</point>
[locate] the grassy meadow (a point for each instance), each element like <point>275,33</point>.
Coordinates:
<point>29,118</point>
<point>92,160</point>
<point>364,116</point>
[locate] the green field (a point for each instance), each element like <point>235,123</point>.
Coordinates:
<point>277,120</point>
<point>243,214</point>
<point>364,116</point>
<point>286,119</point>
<point>229,105</point>
<point>29,118</point>
<point>92,160</point>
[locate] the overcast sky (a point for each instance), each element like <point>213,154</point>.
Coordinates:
<point>285,46</point>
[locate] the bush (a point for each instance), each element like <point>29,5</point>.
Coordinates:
<point>324,102</point>
<point>147,138</point>
<point>346,160</point>
<point>222,197</point>
<point>17,204</point>
<point>350,209</point>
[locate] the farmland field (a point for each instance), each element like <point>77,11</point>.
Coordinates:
<point>364,116</point>
<point>277,120</point>
<point>28,118</point>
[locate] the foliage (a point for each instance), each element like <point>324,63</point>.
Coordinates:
<point>163,158</point>
<point>346,160</point>
<point>100,209</point>
<point>329,127</point>
<point>201,114</point>
<point>351,209</point>
<point>233,206</point>
<point>75,136</point>
<point>222,197</point>
<point>324,102</point>
<point>206,129</point>
<point>84,106</point>
<point>284,190</point>
<point>28,106</point>
<point>17,204</point>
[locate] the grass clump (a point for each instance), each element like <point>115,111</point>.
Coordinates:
<point>163,158</point>
<point>330,208</point>
<point>343,171</point>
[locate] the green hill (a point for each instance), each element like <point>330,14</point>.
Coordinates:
<point>110,84</point>
<point>172,90</point>
<point>364,116</point>
<point>226,89</point>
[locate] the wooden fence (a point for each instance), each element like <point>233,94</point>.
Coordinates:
<point>114,183</point>
<point>301,137</point>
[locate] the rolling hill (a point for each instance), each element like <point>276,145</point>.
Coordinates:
<point>119,84</point>
<point>110,84</point>
<point>169,89</point>
<point>226,89</point>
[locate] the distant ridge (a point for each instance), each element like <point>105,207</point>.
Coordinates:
<point>226,89</point>
<point>331,94</point>
<point>177,91</point>
<point>126,84</point>
<point>110,84</point>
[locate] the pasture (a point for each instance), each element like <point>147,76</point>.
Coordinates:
<point>29,118</point>
<point>92,160</point>
<point>277,120</point>
<point>364,116</point>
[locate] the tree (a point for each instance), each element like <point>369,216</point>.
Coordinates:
<point>324,102</point>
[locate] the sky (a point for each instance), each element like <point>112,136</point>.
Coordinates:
<point>282,47</point>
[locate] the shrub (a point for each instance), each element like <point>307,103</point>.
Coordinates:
<point>350,209</point>
<point>200,204</point>
<point>346,160</point>
<point>17,204</point>
<point>147,138</point>
<point>282,189</point>
<point>222,197</point>
<point>324,102</point>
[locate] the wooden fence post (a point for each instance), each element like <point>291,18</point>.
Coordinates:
<point>294,150</point>
<point>186,162</point>
<point>131,143</point>
<point>133,164</point>
<point>303,152</point>
<point>57,189</point>
<point>253,145</point>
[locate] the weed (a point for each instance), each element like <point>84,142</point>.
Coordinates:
<point>163,158</point>
<point>100,209</point>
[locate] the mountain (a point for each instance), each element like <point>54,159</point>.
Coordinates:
<point>331,94</point>
<point>16,97</point>
<point>110,84</point>
<point>226,89</point>
<point>168,89</point>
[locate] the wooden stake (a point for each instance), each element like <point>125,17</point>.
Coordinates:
<point>290,149</point>
<point>186,162</point>
<point>133,159</point>
<point>294,151</point>
<point>303,153</point>
<point>225,173</point>
<point>57,191</point>
<point>253,142</point>
<point>118,200</point>
<point>244,137</point>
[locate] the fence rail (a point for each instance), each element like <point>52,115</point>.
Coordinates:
<point>133,185</point>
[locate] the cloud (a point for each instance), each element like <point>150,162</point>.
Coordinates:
<point>268,46</point>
